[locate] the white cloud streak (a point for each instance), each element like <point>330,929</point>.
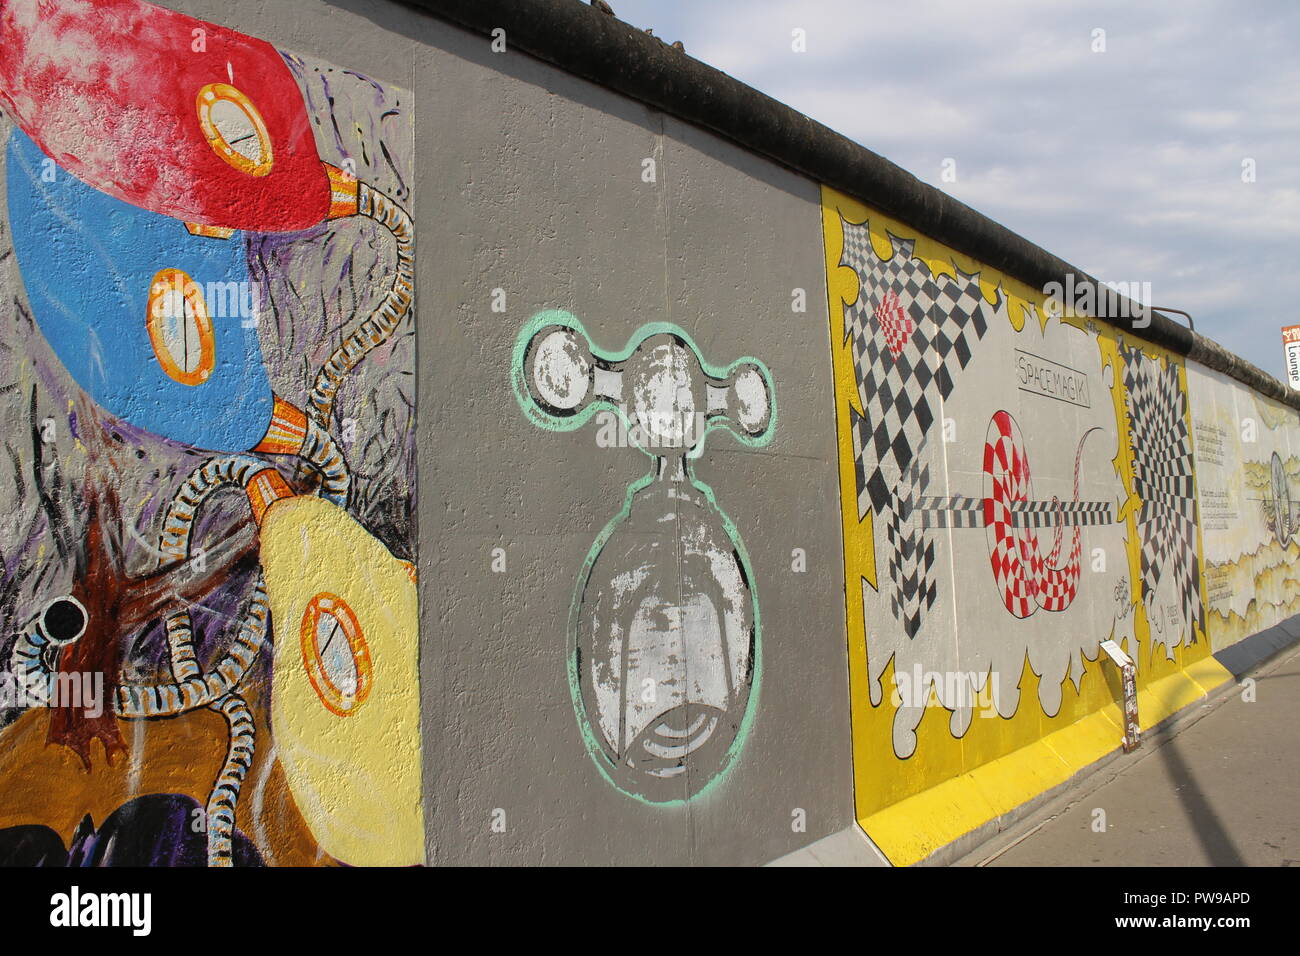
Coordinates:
<point>1127,163</point>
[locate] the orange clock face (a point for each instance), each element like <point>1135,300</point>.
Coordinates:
<point>335,654</point>
<point>180,328</point>
<point>234,129</point>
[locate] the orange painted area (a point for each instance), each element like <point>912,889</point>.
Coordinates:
<point>47,784</point>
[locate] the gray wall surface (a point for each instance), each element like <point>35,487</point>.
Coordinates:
<point>530,180</point>
<point>577,251</point>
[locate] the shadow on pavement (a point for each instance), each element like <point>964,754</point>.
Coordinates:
<point>1206,824</point>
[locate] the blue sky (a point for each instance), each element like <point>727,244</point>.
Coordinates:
<point>1126,163</point>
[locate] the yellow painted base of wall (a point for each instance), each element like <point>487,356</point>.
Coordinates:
<point>913,829</point>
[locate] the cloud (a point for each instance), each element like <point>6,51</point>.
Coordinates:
<point>1127,163</point>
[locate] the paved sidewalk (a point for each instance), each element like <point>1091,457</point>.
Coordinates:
<point>1224,791</point>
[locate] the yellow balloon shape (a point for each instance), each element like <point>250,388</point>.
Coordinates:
<point>345,687</point>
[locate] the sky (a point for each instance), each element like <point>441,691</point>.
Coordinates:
<point>1128,161</point>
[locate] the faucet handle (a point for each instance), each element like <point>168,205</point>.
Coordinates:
<point>560,372</point>
<point>667,395</point>
<point>744,399</point>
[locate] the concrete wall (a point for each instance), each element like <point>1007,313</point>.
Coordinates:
<point>550,205</point>
<point>1247,465</point>
<point>740,512</point>
<point>1020,483</point>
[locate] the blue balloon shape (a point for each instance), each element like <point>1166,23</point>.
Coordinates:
<point>151,321</point>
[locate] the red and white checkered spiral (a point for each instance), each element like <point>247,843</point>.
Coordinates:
<point>1025,578</point>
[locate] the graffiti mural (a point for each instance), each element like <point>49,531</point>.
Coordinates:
<point>208,336</point>
<point>1155,404</point>
<point>1248,471</point>
<point>665,633</point>
<point>974,580</point>
<point>1280,510</point>
<point>1027,579</point>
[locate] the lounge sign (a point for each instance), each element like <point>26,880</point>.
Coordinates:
<point>1291,346</point>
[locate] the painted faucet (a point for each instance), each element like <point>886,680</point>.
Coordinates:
<point>665,652</point>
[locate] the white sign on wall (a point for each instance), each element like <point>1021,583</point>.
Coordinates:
<point>1291,346</point>
<point>1132,738</point>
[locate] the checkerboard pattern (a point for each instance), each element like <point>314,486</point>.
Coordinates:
<point>911,556</point>
<point>901,388</point>
<point>960,511</point>
<point>893,321</point>
<point>1161,443</point>
<point>1061,514</point>
<point>957,511</point>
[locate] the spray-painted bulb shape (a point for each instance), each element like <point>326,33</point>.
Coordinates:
<point>128,300</point>
<point>665,636</point>
<point>149,319</point>
<point>344,684</point>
